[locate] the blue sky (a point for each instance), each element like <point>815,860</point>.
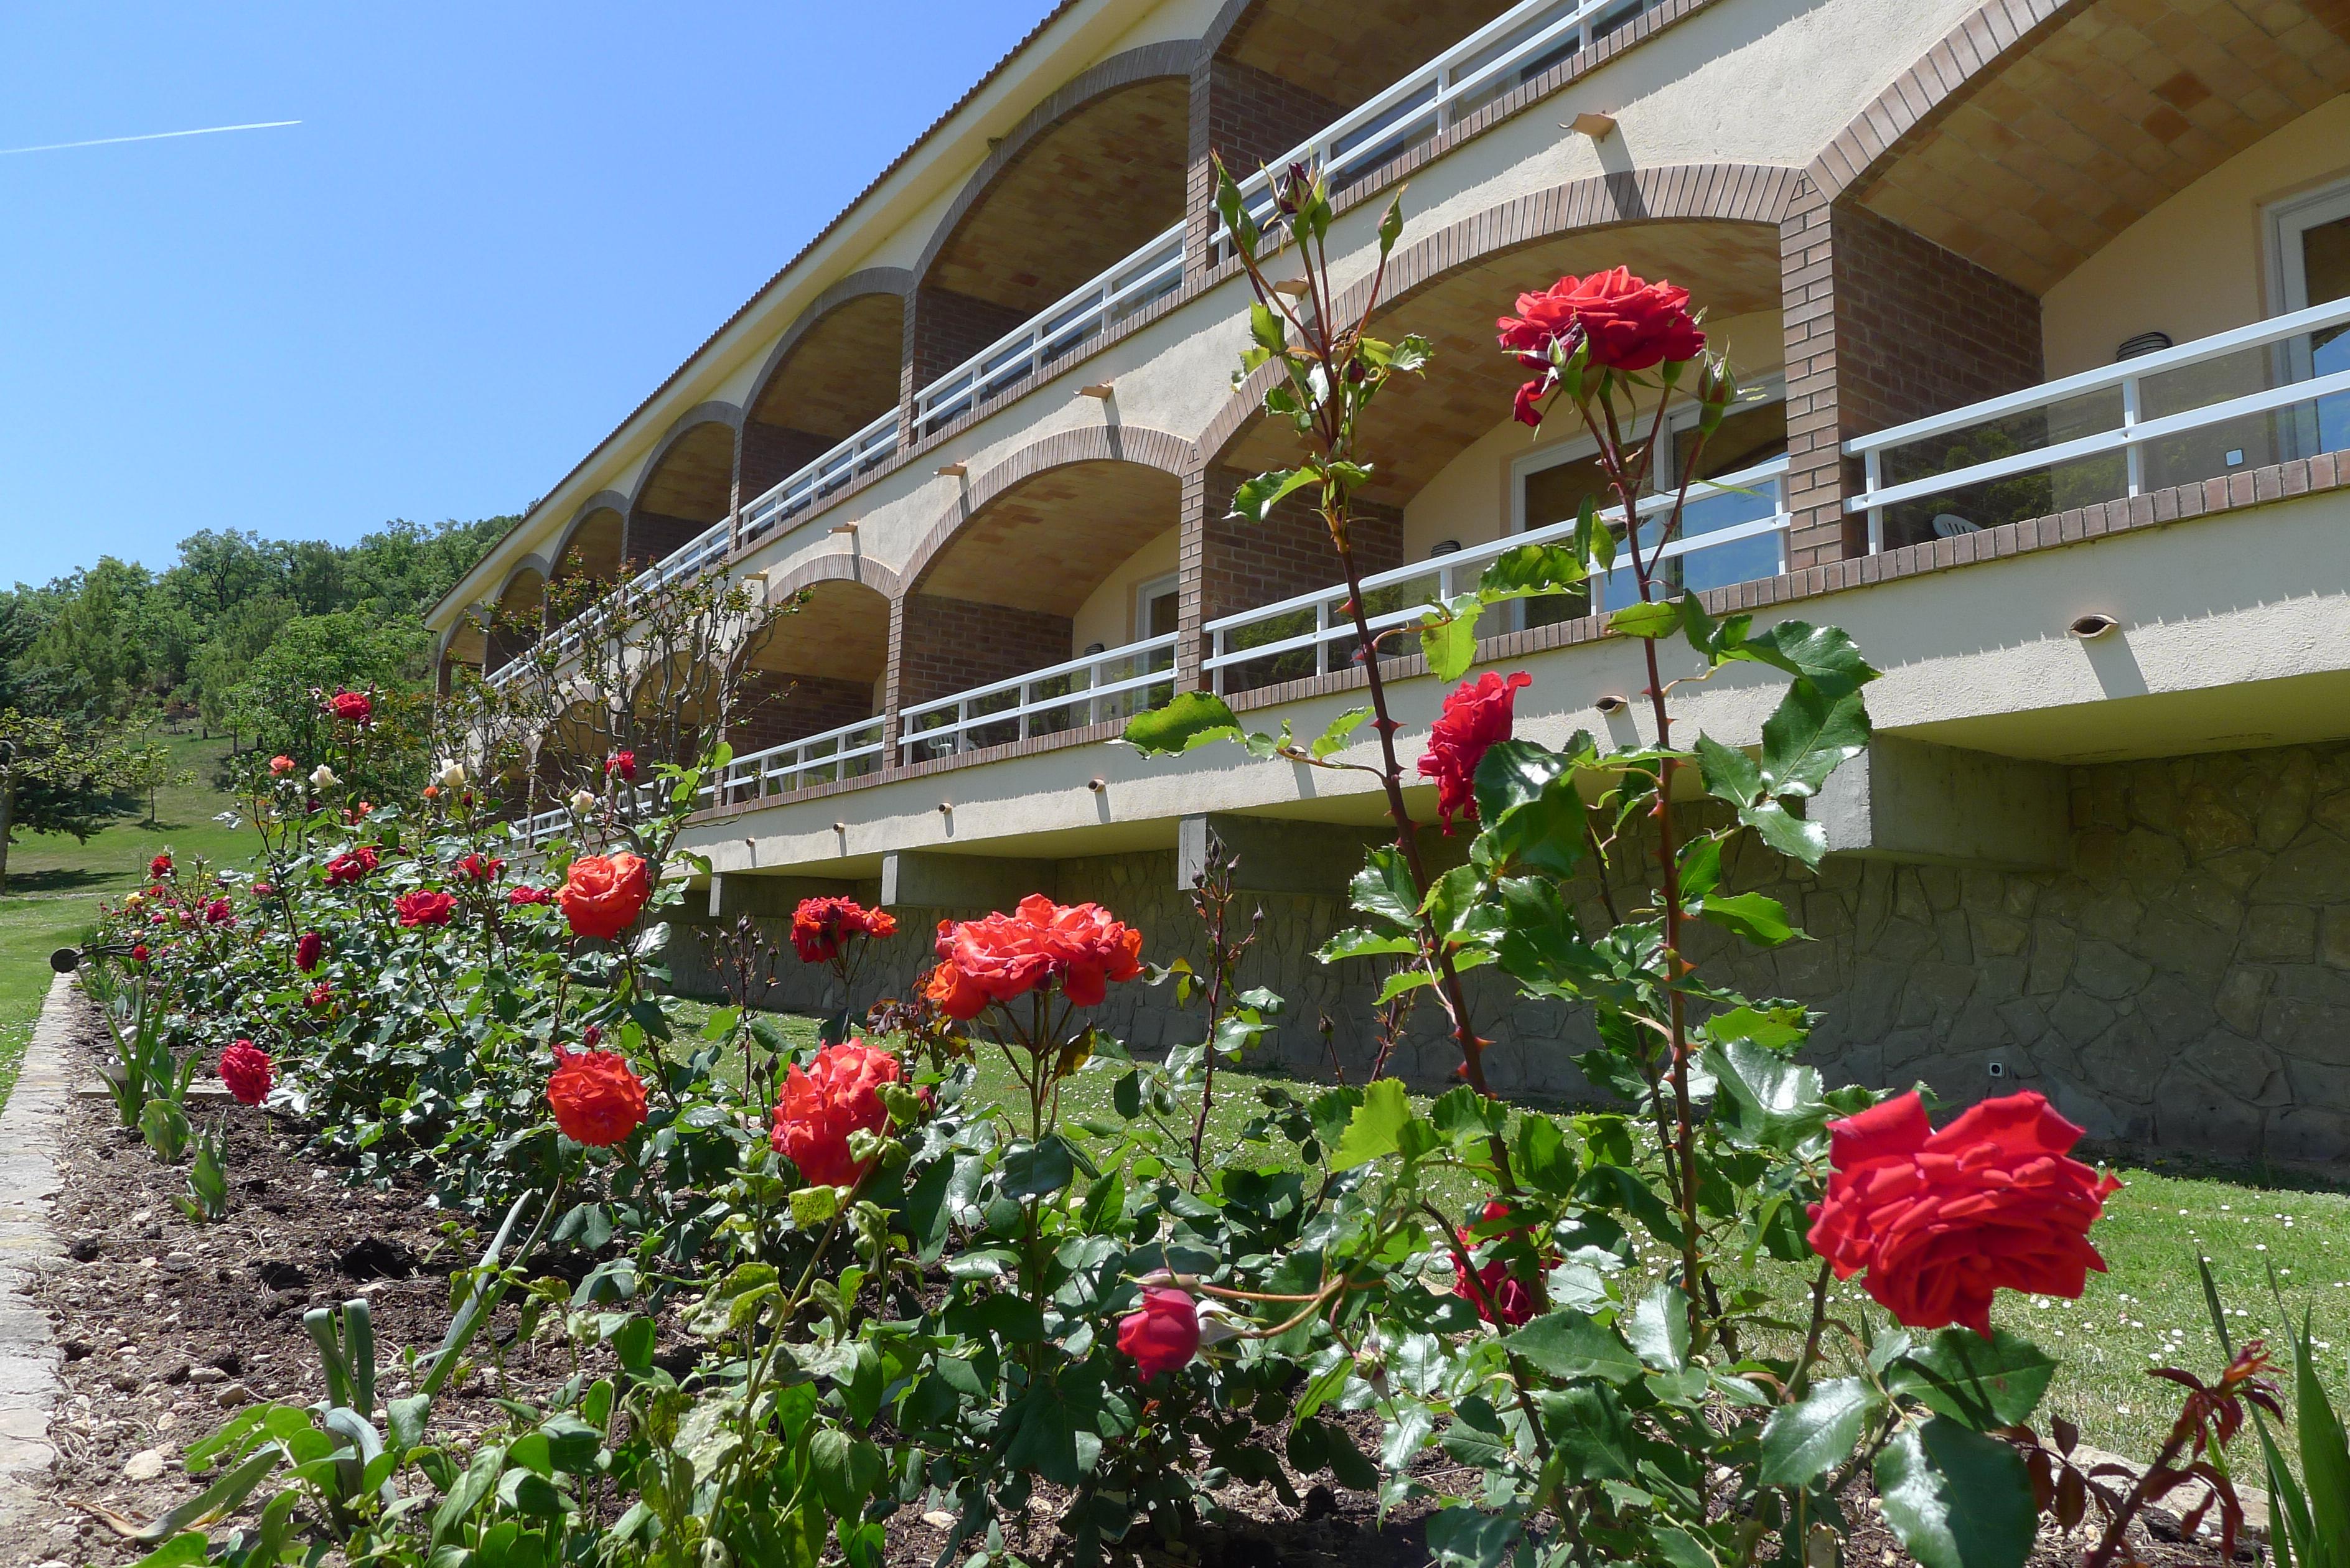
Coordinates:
<point>496,228</point>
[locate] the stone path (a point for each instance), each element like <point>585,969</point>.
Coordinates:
<point>28,1182</point>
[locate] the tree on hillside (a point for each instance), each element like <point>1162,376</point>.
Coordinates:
<point>58,777</point>
<point>280,699</point>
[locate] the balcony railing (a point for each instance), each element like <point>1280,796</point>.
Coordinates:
<point>1733,530</point>
<point>687,560</point>
<point>868,450</point>
<point>2241,398</point>
<point>849,752</point>
<point>1150,273</point>
<point>1504,54</point>
<point>1116,684</point>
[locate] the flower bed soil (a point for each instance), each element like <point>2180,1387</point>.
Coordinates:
<point>166,1326</point>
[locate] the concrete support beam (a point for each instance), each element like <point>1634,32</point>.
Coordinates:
<point>1275,855</point>
<point>926,879</point>
<point>1914,801</point>
<point>733,893</point>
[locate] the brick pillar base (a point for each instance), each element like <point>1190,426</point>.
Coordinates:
<point>1232,565</point>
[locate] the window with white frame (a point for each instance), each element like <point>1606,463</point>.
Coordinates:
<point>2309,252</point>
<point>1727,536</point>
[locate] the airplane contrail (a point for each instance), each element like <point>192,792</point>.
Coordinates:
<point>151,136</point>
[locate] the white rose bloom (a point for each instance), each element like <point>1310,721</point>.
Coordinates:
<point>582,802</point>
<point>452,773</point>
<point>322,777</point>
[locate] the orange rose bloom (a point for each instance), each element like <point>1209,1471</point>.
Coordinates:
<point>604,894</point>
<point>1082,947</point>
<point>953,993</point>
<point>822,1106</point>
<point>596,1097</point>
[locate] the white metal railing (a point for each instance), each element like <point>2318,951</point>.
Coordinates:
<point>1155,270</point>
<point>685,561</point>
<point>535,831</point>
<point>851,751</point>
<point>870,448</point>
<point>1113,684</point>
<point>1744,508</point>
<point>2108,414</point>
<point>1513,48</point>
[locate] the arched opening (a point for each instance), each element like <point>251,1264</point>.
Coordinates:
<point>1063,204</point>
<point>809,700</point>
<point>1458,479</point>
<point>592,551</point>
<point>514,619</point>
<point>689,489</point>
<point>837,377</point>
<point>1073,565</point>
<point>2087,278</point>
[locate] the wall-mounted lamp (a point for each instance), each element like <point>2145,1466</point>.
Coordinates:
<point>954,471</point>
<point>1444,547</point>
<point>2094,623</point>
<point>1098,785</point>
<point>1094,648</point>
<point>1100,390</point>
<point>840,827</point>
<point>946,808</point>
<point>1611,703</point>
<point>2144,343</point>
<point>1592,124</point>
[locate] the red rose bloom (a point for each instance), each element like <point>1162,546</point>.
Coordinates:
<point>1498,1296</point>
<point>597,1098</point>
<point>350,866</point>
<point>1941,1219</point>
<point>423,908</point>
<point>621,765</point>
<point>841,1094</point>
<point>1474,717</point>
<point>139,953</point>
<point>280,765</point>
<point>518,897</point>
<point>321,994</point>
<point>998,957</point>
<point>247,1071</point>
<point>351,707</point>
<point>160,866</point>
<point>821,926</point>
<point>219,913</point>
<point>309,950</point>
<point>1163,1335</point>
<point>480,868</point>
<point>603,895</point>
<point>1630,323</point>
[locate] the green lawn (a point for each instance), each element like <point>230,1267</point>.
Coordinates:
<point>55,883</point>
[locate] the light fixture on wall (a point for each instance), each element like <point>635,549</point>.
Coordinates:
<point>946,808</point>
<point>954,471</point>
<point>2094,623</point>
<point>1592,124</point>
<point>1291,287</point>
<point>1444,547</point>
<point>840,827</point>
<point>844,528</point>
<point>1100,390</point>
<point>1611,703</point>
<point>1098,785</point>
<point>2143,344</point>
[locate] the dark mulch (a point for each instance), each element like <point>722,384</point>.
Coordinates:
<point>168,1326</point>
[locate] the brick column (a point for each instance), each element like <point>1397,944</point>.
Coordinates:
<point>944,328</point>
<point>774,707</point>
<point>651,536</point>
<point>1230,565</point>
<point>767,454</point>
<point>1249,116</point>
<point>1882,327</point>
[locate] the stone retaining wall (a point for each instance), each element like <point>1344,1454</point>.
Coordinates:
<point>2185,983</point>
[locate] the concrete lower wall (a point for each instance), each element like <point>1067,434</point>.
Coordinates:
<point>2185,983</point>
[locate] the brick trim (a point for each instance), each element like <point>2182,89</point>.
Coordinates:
<point>1150,62</point>
<point>1942,76</point>
<point>2236,492</point>
<point>896,280</point>
<point>839,567</point>
<point>1087,444</point>
<point>1733,193</point>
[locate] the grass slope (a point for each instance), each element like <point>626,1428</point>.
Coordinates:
<point>55,883</point>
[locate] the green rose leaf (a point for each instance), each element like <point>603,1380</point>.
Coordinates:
<point>1375,1129</point>
<point>1256,498</point>
<point>1448,640</point>
<point>1810,736</point>
<point>1038,1169</point>
<point>1757,916</point>
<point>1801,1442</point>
<point>1984,1383</point>
<point>1193,719</point>
<point>1766,1101</point>
<point>1569,1343</point>
<point>1652,620</point>
<point>1955,1498</point>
